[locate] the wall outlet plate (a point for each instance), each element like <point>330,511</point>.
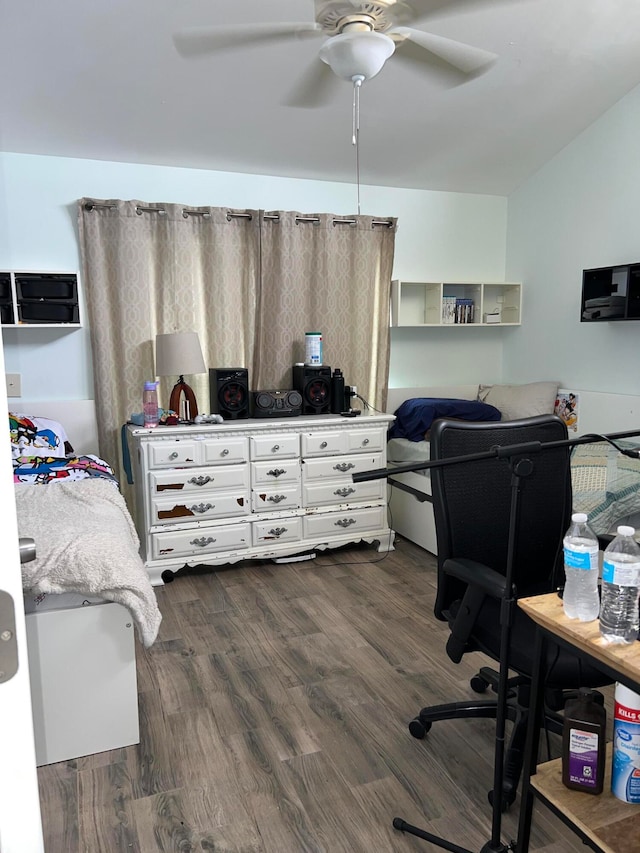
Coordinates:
<point>14,384</point>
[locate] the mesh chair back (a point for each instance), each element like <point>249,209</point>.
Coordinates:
<point>472,502</point>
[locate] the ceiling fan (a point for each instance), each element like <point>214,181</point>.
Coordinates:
<point>359,37</point>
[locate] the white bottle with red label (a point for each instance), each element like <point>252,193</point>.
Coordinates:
<point>625,770</point>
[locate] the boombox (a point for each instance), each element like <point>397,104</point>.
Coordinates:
<point>276,404</point>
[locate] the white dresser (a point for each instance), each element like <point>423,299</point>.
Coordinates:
<point>257,489</point>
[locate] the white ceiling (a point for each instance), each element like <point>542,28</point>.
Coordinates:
<point>102,79</point>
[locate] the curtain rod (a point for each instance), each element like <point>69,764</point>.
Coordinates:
<point>231,214</point>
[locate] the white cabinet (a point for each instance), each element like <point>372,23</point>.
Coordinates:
<point>257,489</point>
<point>455,303</point>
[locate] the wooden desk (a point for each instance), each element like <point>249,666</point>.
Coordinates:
<point>603,822</point>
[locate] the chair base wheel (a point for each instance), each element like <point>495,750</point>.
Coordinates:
<point>508,799</point>
<point>478,684</point>
<point>418,729</point>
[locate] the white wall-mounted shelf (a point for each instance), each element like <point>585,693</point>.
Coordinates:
<point>438,303</point>
<point>39,300</point>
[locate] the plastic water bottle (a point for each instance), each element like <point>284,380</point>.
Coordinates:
<point>150,404</point>
<point>620,579</point>
<point>580,598</point>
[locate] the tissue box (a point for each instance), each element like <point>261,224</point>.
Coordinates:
<point>492,318</point>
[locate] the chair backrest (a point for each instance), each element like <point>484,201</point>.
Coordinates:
<point>472,501</point>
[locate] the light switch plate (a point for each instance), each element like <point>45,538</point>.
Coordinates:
<point>14,384</point>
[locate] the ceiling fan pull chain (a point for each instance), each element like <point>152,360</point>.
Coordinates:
<point>355,139</point>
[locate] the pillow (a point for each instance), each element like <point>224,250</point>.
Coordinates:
<point>521,401</point>
<point>415,416</point>
<point>32,436</point>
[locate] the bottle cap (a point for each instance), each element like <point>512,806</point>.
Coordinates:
<point>150,386</point>
<point>579,517</point>
<point>625,530</point>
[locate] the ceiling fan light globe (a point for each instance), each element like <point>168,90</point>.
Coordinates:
<point>358,54</point>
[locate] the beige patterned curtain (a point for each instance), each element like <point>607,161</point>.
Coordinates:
<point>249,283</point>
<point>156,268</point>
<point>329,274</point>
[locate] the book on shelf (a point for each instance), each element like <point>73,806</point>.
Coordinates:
<point>448,310</point>
<point>464,310</point>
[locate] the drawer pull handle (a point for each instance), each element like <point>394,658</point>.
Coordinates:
<point>365,441</point>
<point>323,444</point>
<point>200,481</point>
<point>276,472</point>
<point>345,522</point>
<point>225,452</point>
<point>203,541</point>
<point>276,498</point>
<point>201,507</point>
<point>344,492</point>
<point>343,466</point>
<point>275,448</point>
<point>173,455</point>
<point>277,531</point>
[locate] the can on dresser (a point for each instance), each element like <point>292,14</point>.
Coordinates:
<point>313,348</point>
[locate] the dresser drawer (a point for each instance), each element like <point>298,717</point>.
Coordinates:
<point>196,480</point>
<point>352,522</point>
<point>278,471</point>
<point>274,446</point>
<point>200,540</point>
<point>172,509</point>
<point>224,450</point>
<point>276,497</point>
<point>340,467</point>
<point>366,439</point>
<point>165,454</point>
<point>324,494</point>
<point>278,530</point>
<point>324,443</point>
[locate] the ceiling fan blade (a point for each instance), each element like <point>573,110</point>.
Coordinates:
<point>203,40</point>
<point>463,57</point>
<point>414,10</point>
<point>315,87</point>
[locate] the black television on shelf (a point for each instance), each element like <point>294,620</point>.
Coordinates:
<point>611,293</point>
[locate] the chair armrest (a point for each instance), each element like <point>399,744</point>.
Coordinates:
<point>481,581</point>
<point>476,574</point>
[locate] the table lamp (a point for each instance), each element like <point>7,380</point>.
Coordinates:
<point>180,353</point>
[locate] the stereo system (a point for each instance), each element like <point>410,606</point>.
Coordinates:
<point>314,384</point>
<point>276,404</point>
<point>230,398</point>
<point>229,392</point>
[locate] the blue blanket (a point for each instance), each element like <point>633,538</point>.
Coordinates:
<point>415,416</point>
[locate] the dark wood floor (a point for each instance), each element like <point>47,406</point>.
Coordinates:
<point>273,717</point>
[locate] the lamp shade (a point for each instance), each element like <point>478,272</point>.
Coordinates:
<point>357,54</point>
<point>178,353</point>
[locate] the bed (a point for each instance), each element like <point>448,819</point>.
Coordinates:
<point>87,593</point>
<point>606,484</point>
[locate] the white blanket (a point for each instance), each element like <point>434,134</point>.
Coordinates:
<point>86,542</point>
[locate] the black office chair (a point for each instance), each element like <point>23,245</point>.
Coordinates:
<point>472,511</point>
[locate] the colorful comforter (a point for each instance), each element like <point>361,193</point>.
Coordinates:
<point>40,470</point>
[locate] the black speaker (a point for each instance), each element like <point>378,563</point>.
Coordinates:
<point>229,392</point>
<point>314,384</point>
<point>276,404</point>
